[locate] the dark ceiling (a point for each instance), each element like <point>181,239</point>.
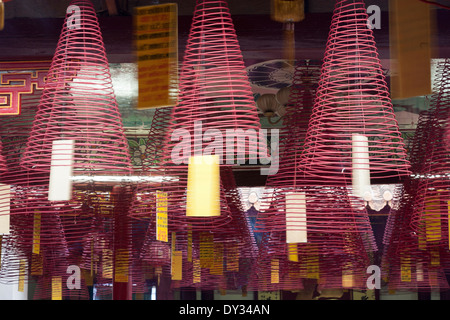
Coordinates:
<point>32,29</point>
<point>56,8</point>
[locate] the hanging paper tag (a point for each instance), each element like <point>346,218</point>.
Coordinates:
<point>296,217</point>
<point>156,43</point>
<point>435,257</point>
<point>121,266</point>
<point>60,185</point>
<point>217,267</point>
<point>405,267</point>
<point>347,277</point>
<point>206,249</point>
<point>161,217</point>
<point>5,205</point>
<point>36,232</point>
<point>292,252</point>
<point>196,271</point>
<point>107,264</point>
<point>37,265</point>
<point>312,264</point>
<point>22,275</point>
<point>177,265</point>
<point>433,219</point>
<point>275,271</point>
<point>56,288</point>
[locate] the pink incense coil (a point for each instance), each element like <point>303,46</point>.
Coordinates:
<point>142,198</point>
<point>430,211</point>
<point>352,98</point>
<point>3,166</point>
<point>239,232</point>
<point>215,92</point>
<point>411,261</point>
<point>215,98</point>
<point>153,148</point>
<point>78,102</point>
<point>295,123</point>
<point>348,215</point>
<point>415,273</point>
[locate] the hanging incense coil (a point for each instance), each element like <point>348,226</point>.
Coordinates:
<point>430,214</point>
<point>215,99</point>
<point>214,88</point>
<point>78,102</point>
<point>352,98</point>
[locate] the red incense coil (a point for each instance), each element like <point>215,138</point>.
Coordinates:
<point>156,135</point>
<point>215,96</point>
<point>302,94</point>
<point>352,98</point>
<point>344,233</point>
<point>78,102</point>
<point>430,211</point>
<point>214,87</point>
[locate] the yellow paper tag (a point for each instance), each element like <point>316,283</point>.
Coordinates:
<point>173,241</point>
<point>107,263</point>
<point>292,252</point>
<point>161,216</point>
<point>405,267</point>
<point>347,279</point>
<point>88,278</point>
<point>435,257</point>
<point>177,265</point>
<point>121,265</point>
<point>206,250</point>
<point>156,34</point>
<point>275,271</point>
<point>312,265</point>
<point>433,219</point>
<point>196,271</point>
<point>217,267</point>
<point>56,288</point>
<point>22,274</point>
<point>36,232</point>
<point>37,265</point>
